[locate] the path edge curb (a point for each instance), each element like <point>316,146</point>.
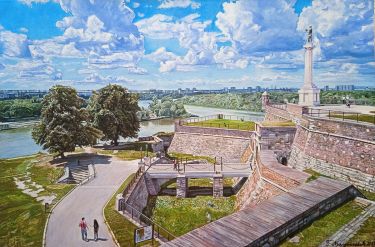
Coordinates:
<point>49,214</point>
<point>105,219</point>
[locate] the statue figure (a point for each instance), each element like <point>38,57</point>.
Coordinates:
<point>309,34</point>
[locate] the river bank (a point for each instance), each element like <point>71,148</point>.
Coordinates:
<point>18,142</point>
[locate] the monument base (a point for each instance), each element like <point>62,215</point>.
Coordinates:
<point>309,96</point>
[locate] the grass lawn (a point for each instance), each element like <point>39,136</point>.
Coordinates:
<point>122,228</point>
<point>181,215</point>
<point>225,124</point>
<point>324,227</point>
<point>278,124</point>
<point>190,157</point>
<point>22,217</point>
<point>125,154</point>
<point>365,234</point>
<point>361,117</point>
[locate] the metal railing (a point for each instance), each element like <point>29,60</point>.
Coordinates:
<point>344,116</point>
<point>143,219</point>
<point>132,182</point>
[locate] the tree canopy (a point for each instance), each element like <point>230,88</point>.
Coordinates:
<point>64,123</point>
<point>114,111</point>
<point>167,107</point>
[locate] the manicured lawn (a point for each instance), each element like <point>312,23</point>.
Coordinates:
<point>278,124</point>
<point>122,228</point>
<point>361,117</point>
<point>225,124</point>
<point>181,215</point>
<point>22,216</point>
<point>189,157</point>
<point>324,227</point>
<point>365,234</point>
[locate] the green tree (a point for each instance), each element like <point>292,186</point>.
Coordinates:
<point>114,111</point>
<point>64,123</point>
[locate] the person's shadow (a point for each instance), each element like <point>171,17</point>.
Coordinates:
<point>99,239</point>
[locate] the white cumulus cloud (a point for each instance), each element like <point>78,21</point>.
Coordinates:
<point>167,4</point>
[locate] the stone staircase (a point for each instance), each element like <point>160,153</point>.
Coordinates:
<point>78,173</point>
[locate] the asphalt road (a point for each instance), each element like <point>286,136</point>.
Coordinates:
<point>88,201</point>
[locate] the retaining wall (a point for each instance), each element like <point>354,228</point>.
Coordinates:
<point>230,148</point>
<point>335,155</point>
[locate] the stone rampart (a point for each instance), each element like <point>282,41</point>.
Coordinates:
<point>138,197</point>
<point>281,175</point>
<point>276,114</point>
<point>275,138</point>
<point>335,155</point>
<point>230,148</point>
<point>352,129</point>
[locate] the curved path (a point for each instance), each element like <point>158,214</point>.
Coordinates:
<point>88,201</point>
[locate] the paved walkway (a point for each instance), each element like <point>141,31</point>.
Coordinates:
<point>88,201</point>
<point>347,232</point>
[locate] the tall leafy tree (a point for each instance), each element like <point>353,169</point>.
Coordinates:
<point>64,123</point>
<point>114,111</point>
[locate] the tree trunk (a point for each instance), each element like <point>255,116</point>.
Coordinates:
<point>115,142</point>
<point>62,155</point>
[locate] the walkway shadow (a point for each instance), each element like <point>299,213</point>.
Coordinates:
<point>83,158</point>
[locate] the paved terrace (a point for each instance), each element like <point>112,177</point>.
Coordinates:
<point>201,170</point>
<point>270,221</point>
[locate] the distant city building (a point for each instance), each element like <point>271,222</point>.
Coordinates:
<point>326,88</point>
<point>344,87</point>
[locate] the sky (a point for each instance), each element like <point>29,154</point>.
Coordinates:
<point>170,44</point>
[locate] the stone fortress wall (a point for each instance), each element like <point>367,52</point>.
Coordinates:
<point>335,148</point>
<point>228,144</point>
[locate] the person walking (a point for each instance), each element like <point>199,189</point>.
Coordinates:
<point>96,230</point>
<point>83,226</point>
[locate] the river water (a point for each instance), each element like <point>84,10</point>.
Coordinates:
<point>18,142</point>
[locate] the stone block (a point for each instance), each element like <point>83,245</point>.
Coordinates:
<point>182,186</point>
<point>218,185</point>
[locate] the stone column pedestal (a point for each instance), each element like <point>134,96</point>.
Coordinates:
<point>218,187</point>
<point>182,186</point>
